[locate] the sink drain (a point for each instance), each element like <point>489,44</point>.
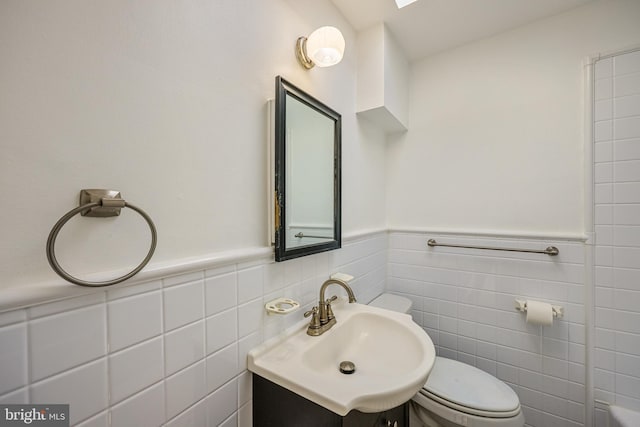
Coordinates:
<point>347,367</point>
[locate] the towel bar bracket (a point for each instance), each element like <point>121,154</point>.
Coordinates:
<point>110,202</point>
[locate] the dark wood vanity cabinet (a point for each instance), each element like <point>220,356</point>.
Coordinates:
<point>275,406</point>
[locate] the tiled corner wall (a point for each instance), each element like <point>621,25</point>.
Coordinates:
<point>173,351</point>
<point>617,224</point>
<point>464,298</point>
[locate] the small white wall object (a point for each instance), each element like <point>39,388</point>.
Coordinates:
<point>342,276</point>
<point>282,306</point>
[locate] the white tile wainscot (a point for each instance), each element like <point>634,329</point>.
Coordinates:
<point>617,226</point>
<point>464,299</point>
<point>177,342</point>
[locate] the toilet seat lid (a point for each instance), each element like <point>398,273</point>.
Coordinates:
<point>470,387</point>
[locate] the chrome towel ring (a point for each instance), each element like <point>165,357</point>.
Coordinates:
<point>98,203</point>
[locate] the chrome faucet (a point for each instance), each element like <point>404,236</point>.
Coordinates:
<point>322,318</point>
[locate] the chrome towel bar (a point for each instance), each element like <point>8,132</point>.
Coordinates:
<point>551,250</point>
<point>98,203</point>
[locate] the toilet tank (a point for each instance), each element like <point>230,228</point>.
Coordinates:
<point>393,303</point>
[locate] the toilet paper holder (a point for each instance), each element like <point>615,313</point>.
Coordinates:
<point>558,310</point>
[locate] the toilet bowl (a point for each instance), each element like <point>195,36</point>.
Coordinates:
<point>457,394</point>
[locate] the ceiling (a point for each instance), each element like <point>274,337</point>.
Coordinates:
<point>429,26</point>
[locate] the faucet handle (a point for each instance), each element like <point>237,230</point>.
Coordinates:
<point>315,324</point>
<point>313,311</point>
<point>330,300</point>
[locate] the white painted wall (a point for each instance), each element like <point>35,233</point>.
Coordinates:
<point>396,79</point>
<point>382,79</point>
<point>165,102</point>
<point>495,137</point>
<point>370,81</point>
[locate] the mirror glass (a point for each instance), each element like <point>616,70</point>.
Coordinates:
<point>307,174</point>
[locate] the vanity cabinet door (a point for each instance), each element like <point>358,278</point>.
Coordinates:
<point>396,417</point>
<point>275,406</point>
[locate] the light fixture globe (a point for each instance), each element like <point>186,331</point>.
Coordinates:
<point>324,48</point>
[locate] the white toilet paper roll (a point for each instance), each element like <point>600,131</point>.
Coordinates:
<point>539,313</point>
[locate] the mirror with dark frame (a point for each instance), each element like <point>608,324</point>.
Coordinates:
<point>307,174</point>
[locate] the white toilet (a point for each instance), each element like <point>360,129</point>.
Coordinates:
<point>457,394</point>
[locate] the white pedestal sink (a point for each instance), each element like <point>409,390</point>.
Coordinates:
<point>392,355</point>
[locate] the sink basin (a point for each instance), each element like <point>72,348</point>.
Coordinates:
<point>392,355</point>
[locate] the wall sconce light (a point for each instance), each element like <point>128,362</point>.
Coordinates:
<point>324,48</point>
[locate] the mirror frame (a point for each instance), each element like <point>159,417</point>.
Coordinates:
<point>282,252</point>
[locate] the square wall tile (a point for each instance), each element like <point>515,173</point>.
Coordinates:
<point>603,110</point>
<point>628,149</point>
<point>135,368</point>
<point>626,63</point>
<point>603,89</point>
<point>221,293</point>
<point>603,173</point>
<point>250,284</point>
<point>144,409</point>
<point>626,214</point>
<point>250,317</point>
<point>626,128</point>
<point>627,106</point>
<point>62,341</point>
<point>183,347</point>
<point>627,386</point>
<point>134,319</point>
<point>628,84</point>
<point>19,396</point>
<point>627,300</point>
<point>10,317</point>
<point>232,421</point>
<point>222,330</point>
<point>603,131</point>
<point>222,366</point>
<point>627,278</point>
<point>603,68</point>
<point>183,304</point>
<point>100,420</point>
<point>185,388</point>
<point>603,194</point>
<point>13,357</point>
<point>603,152</point>
<point>83,388</point>
<point>195,416</point>
<point>627,171</point>
<point>627,364</point>
<point>626,257</point>
<point>222,403</point>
